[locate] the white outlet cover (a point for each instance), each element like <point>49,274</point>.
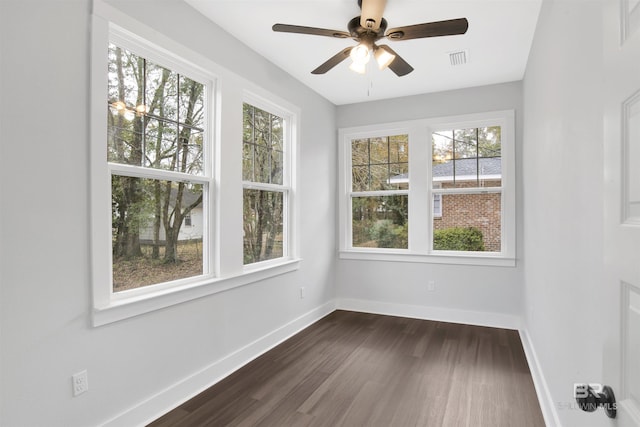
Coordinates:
<point>80,383</point>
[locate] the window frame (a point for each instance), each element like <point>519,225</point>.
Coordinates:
<point>225,267</point>
<point>184,68</point>
<point>421,192</point>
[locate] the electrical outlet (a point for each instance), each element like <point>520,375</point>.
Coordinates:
<point>301,293</point>
<point>431,285</point>
<point>80,383</point>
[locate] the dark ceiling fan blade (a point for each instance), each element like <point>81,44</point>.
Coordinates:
<point>371,15</point>
<point>333,61</point>
<point>450,27</point>
<point>298,29</point>
<point>398,65</point>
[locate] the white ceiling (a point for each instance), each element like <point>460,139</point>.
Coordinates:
<point>497,43</point>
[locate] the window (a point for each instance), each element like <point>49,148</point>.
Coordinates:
<point>448,196</point>
<point>466,173</point>
<point>156,150</point>
<point>266,190</point>
<point>437,202</point>
<point>379,191</point>
<point>161,208</point>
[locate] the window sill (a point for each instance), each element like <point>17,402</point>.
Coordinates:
<point>496,260</point>
<point>125,308</point>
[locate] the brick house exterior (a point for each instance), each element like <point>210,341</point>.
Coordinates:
<point>482,211</point>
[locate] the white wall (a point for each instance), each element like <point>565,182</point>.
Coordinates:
<point>474,294</point>
<point>563,195</point>
<point>44,264</point>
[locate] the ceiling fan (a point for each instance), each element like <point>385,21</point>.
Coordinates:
<point>370,27</point>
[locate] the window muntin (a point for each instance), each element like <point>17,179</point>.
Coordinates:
<point>463,161</point>
<point>266,189</point>
<point>156,145</point>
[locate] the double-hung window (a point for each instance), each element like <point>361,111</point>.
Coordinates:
<point>158,154</point>
<point>432,190</point>
<point>379,191</point>
<point>152,172</point>
<point>266,182</point>
<point>161,207</point>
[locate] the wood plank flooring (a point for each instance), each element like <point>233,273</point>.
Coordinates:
<point>357,369</point>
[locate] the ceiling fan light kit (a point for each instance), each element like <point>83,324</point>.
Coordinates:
<point>370,27</point>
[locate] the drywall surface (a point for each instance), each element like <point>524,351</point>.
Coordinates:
<point>473,294</point>
<point>45,274</point>
<point>563,196</point>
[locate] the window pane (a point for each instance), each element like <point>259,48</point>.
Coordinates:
<point>262,222</point>
<point>465,143</point>
<point>379,151</point>
<point>276,167</point>
<point>379,177</point>
<point>359,152</point>
<point>145,250</point>
<point>161,92</point>
<point>190,151</point>
<point>468,222</point>
<point>247,162</point>
<point>161,143</point>
<point>124,137</point>
<point>277,132</point>
<point>380,222</point>
<point>191,102</point>
<point>126,71</point>
<point>360,178</point>
<point>467,158</point>
<point>262,164</point>
<point>398,149</point>
<point>399,176</point>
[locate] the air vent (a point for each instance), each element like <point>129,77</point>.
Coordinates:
<point>458,58</point>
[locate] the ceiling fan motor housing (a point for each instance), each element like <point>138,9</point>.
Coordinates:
<point>366,35</point>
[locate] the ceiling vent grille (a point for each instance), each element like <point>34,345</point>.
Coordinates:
<point>458,58</point>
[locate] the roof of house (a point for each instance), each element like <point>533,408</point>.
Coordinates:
<point>490,167</point>
<point>463,167</point>
<point>188,196</point>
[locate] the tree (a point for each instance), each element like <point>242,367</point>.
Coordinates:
<point>173,215</point>
<point>125,146</point>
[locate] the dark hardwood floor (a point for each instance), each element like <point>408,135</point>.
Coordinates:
<point>356,369</point>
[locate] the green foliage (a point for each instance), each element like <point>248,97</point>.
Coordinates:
<point>458,239</point>
<point>389,235</point>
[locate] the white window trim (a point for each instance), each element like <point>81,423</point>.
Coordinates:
<point>226,270</point>
<point>421,191</point>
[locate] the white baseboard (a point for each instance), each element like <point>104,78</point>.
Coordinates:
<point>157,405</point>
<point>178,393</point>
<point>479,318</point>
<point>547,405</point>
